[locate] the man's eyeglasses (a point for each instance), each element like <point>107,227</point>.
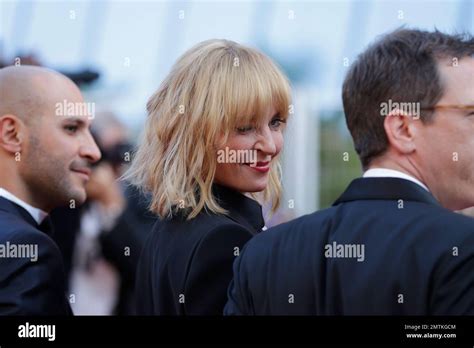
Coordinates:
<point>444,107</point>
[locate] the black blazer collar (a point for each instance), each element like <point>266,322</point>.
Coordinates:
<point>385,189</point>
<point>13,208</point>
<point>242,209</point>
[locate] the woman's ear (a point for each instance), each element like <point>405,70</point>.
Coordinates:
<point>12,133</point>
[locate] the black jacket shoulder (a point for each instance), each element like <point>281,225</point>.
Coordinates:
<point>186,265</point>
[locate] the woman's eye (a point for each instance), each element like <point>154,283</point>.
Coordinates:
<point>277,122</point>
<point>71,128</point>
<point>244,129</point>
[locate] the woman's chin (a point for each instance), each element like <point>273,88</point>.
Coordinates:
<point>256,186</point>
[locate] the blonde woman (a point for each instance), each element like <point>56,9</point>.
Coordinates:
<point>208,156</point>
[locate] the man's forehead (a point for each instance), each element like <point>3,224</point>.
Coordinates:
<point>454,68</point>
<point>71,104</point>
<point>458,79</point>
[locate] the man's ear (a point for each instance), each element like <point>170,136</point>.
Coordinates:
<point>401,131</point>
<point>12,133</point>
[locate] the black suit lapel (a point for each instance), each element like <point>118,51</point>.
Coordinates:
<point>47,226</point>
<point>385,189</point>
<point>15,209</point>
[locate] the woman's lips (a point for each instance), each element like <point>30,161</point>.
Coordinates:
<point>261,167</point>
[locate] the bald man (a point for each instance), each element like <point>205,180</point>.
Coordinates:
<point>45,156</point>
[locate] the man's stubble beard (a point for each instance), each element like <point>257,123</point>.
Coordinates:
<point>48,179</point>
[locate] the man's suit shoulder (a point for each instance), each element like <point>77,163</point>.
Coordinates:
<point>446,217</point>
<point>301,227</point>
<point>32,284</point>
<point>438,222</point>
<point>16,230</point>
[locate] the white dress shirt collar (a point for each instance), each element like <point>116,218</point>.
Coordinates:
<point>37,214</point>
<point>390,173</point>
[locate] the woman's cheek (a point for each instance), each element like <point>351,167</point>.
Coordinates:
<point>242,142</point>
<point>278,139</point>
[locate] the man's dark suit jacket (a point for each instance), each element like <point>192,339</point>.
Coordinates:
<point>29,287</point>
<point>418,258</point>
<point>186,265</point>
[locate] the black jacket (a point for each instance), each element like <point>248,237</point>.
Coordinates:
<point>28,286</point>
<point>186,266</point>
<point>129,231</point>
<point>418,258</point>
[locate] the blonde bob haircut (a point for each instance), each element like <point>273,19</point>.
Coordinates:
<point>213,88</point>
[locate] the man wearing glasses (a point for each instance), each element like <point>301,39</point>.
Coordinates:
<point>392,243</point>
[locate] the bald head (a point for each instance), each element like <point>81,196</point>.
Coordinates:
<point>45,150</point>
<point>28,92</point>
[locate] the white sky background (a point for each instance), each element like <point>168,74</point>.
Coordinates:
<point>150,35</point>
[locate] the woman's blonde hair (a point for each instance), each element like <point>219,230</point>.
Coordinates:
<point>213,88</point>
